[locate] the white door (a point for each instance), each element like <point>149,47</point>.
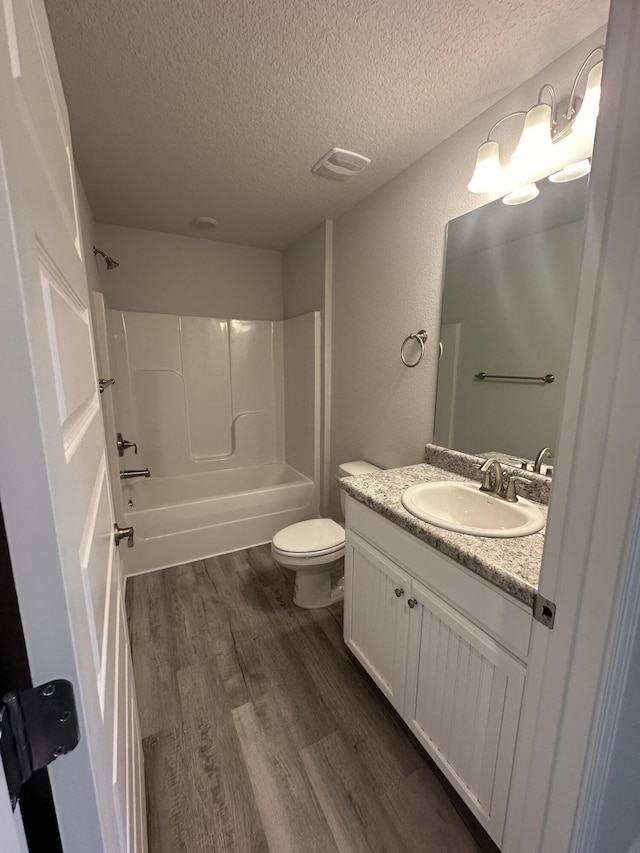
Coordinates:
<point>376,616</point>
<point>462,701</point>
<point>54,486</point>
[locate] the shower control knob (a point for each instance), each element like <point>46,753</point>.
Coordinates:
<point>399,591</point>
<point>121,533</point>
<point>122,444</point>
<point>412,602</point>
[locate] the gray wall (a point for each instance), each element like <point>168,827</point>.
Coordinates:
<point>387,271</point>
<point>303,274</point>
<point>306,280</point>
<point>168,274</point>
<point>88,233</point>
<point>301,348</point>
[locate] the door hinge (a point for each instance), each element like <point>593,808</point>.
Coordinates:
<point>36,726</point>
<point>544,611</point>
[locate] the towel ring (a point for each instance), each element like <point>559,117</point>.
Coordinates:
<point>421,337</point>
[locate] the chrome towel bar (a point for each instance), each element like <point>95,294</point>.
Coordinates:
<point>547,378</point>
<point>421,337</point>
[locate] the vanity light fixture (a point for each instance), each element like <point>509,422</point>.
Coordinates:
<point>542,128</point>
<point>571,172</point>
<point>522,194</point>
<point>585,121</point>
<point>535,140</point>
<point>488,174</point>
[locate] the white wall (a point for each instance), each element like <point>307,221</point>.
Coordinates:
<point>167,274</point>
<point>388,262</point>
<point>515,306</point>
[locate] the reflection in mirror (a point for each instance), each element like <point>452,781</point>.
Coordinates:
<point>509,298</point>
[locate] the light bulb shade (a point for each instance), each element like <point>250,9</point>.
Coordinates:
<point>535,142</point>
<point>571,173</point>
<point>523,194</point>
<point>585,121</point>
<point>487,176</point>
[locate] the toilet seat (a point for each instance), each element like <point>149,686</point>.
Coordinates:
<point>320,537</point>
<point>329,553</point>
<point>304,563</point>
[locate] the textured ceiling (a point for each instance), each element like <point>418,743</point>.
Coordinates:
<point>181,108</point>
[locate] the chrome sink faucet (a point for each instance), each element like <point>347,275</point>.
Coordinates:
<point>495,487</point>
<point>501,487</point>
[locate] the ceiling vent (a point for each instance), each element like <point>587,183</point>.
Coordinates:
<point>339,165</point>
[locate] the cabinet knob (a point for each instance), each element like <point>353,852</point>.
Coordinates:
<point>399,591</point>
<point>412,602</point>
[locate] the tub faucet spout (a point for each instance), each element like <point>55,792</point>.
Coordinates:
<point>135,472</point>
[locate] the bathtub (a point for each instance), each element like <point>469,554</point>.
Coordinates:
<point>180,519</point>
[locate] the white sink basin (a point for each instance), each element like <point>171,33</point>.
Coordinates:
<point>464,508</point>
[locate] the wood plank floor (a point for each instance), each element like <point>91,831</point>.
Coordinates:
<point>261,732</point>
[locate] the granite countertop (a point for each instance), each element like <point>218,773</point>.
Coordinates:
<point>511,564</point>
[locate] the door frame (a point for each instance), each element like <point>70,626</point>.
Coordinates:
<point>595,504</point>
<point>36,799</point>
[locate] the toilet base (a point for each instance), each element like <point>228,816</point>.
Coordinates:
<point>318,589</point>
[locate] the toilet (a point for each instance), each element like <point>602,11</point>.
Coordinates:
<point>314,550</point>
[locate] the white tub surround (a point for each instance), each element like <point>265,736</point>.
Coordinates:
<point>199,393</point>
<point>204,398</point>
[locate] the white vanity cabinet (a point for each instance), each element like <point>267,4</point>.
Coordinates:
<point>377,625</point>
<point>462,701</point>
<point>448,650</point>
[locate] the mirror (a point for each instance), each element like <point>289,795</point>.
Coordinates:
<point>508,307</point>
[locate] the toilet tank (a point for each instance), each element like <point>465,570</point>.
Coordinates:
<point>352,469</point>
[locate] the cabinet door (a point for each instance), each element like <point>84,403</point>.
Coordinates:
<point>463,697</point>
<point>376,616</point>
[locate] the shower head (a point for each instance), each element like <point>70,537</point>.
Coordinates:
<point>111,264</point>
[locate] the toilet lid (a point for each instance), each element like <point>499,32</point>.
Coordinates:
<point>306,537</point>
